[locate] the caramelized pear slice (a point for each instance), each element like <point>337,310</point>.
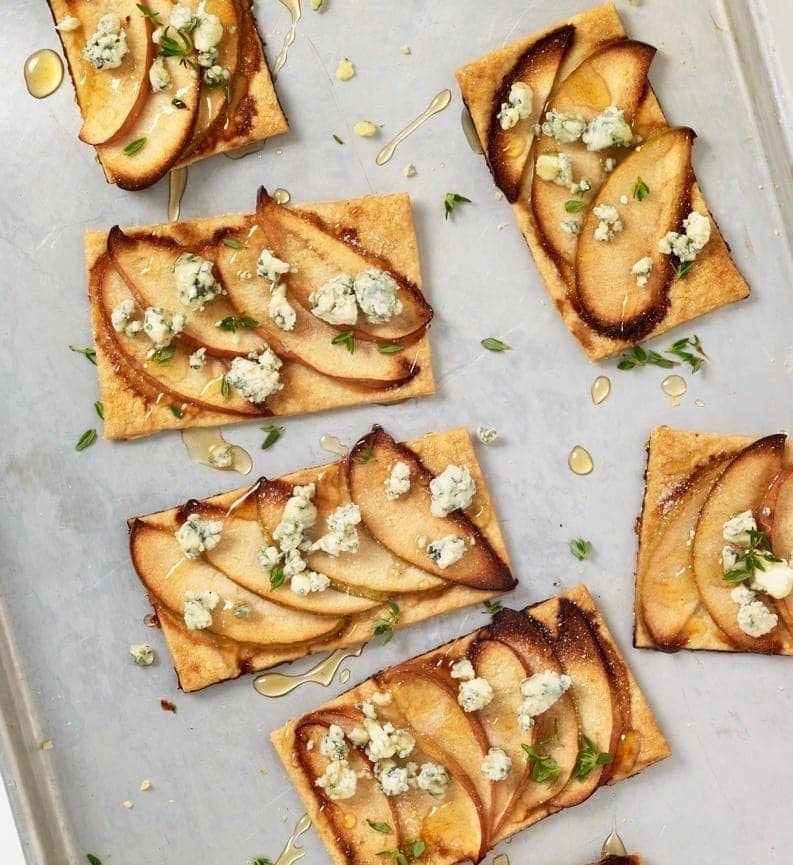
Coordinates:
<point>163,129</point>
<point>615,74</point>
<point>310,343</point>
<point>110,99</point>
<point>320,252</point>
<point>146,266</point>
<point>398,524</point>
<point>607,295</point>
<point>741,487</point>
<point>508,149</point>
<point>174,377</point>
<point>168,575</point>
<point>781,534</point>
<point>669,596</point>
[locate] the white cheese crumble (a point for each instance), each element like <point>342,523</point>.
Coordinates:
<point>608,129</point>
<point>642,270</point>
<point>386,742</point>
<point>446,551</point>
<point>197,535</point>
<point>182,17</point>
<point>736,530</point>
<point>208,58</point>
<point>365,129</point>
<point>198,608</point>
<point>306,582</point>
<point>570,226</point>
<point>333,745</point>
<point>517,107</point>
<point>610,222</point>
<point>254,377</point>
<point>69,24</point>
<point>398,481</point>
<point>434,779</point>
<point>338,780</point>
<point>474,694</point>
<point>687,246</point>
<point>496,765</point>
<point>142,654</point>
<point>539,693</point>
<point>299,514</point>
<point>565,128</point>
<point>555,168</point>
<point>207,33</point>
<point>775,580</point>
<point>334,301</point>
<point>159,76</point>
<point>122,319</point>
<point>269,557</point>
<point>107,47</point>
<point>280,310</point>
<point>463,669</point>
<point>197,359</point>
<point>393,779</point>
<point>342,534</point>
<point>486,434</point>
<point>345,70</point>
<point>221,456</point>
<point>269,266</point>
<point>196,285</point>
<point>376,293</point>
<point>452,490</point>
<point>754,618</point>
<point>162,325</point>
<point>216,76</point>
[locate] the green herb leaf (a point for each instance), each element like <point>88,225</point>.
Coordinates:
<point>89,352</point>
<point>451,200</point>
<point>262,860</point>
<point>177,103</point>
<point>232,324</point>
<point>386,625</point>
<point>491,607</point>
<point>638,356</point>
<point>176,411</point>
<point>696,358</point>
<point>542,766</point>
<point>589,756</point>
<point>390,347</point>
<point>134,146</point>
<point>94,860</point>
<point>683,268</point>
<point>346,337</point>
<point>493,344</point>
<point>417,849</point>
<point>580,548</point>
<point>179,46</point>
<point>99,409</point>
<point>273,434</point>
<point>337,139</point>
<point>225,388</point>
<point>753,559</point>
<point>277,577</point>
<point>640,189</point>
<point>573,206</point>
<point>149,12</point>
<point>381,827</point>
<point>366,457</point>
<point>162,355</point>
<point>232,242</point>
<point>86,440</point>
<point>397,855</point>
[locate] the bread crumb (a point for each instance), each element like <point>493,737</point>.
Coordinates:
<point>48,745</point>
<point>345,70</point>
<point>128,805</point>
<point>145,784</point>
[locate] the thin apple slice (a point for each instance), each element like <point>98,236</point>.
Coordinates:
<point>504,670</point>
<point>607,296</point>
<point>320,252</point>
<point>163,128</point>
<point>146,266</point>
<point>741,487</point>
<point>398,523</point>
<point>310,343</point>
<point>668,593</point>
<point>202,389</point>
<point>168,575</point>
<point>615,74</point>
<point>508,149</point>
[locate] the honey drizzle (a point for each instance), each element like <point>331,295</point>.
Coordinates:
<point>467,122</point>
<point>613,845</point>
<point>439,102</point>
<point>202,441</point>
<point>282,196</point>
<point>291,852</point>
<point>332,445</point>
<point>177,183</point>
<point>296,12</point>
<point>279,684</point>
<point>43,72</point>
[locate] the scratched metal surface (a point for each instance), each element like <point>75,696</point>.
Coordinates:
<point>70,602</point>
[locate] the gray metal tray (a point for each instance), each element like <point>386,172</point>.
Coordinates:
<point>70,603</point>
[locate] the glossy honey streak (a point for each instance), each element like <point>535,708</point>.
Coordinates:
<point>296,12</point>
<point>439,102</point>
<point>469,130</point>
<point>332,445</point>
<point>279,684</point>
<point>203,442</point>
<point>177,183</point>
<point>291,852</point>
<point>43,73</point>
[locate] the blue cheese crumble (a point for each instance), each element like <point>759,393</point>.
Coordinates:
<point>338,780</point>
<point>198,607</point>
<point>564,128</point>
<point>256,377</point>
<point>376,293</point>
<point>334,302</point>
<point>342,534</point>
<point>608,129</point>
<point>107,47</point>
<point>272,268</point>
<point>162,325</point>
<point>453,489</point>
<point>434,779</point>
<point>398,481</point>
<point>497,765</point>
<point>486,434</point>
<point>142,654</point>
<point>539,693</point>
<point>197,359</point>
<point>197,535</point>
<point>393,779</point>
<point>196,285</point>
<point>517,107</point>
<point>474,694</point>
<point>753,617</point>
<point>463,669</point>
<point>609,224</point>
<point>687,246</point>
<point>280,310</point>
<point>122,319</point>
<point>642,270</point>
<point>333,745</point>
<point>447,551</point>
<point>159,76</point>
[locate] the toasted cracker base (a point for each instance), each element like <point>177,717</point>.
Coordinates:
<point>653,746</point>
<point>714,282</point>
<point>201,658</point>
<point>384,225</point>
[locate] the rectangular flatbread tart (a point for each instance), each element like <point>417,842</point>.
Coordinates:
<point>323,558</point>
<point>445,755</point>
<point>160,85</point>
<point>601,186</point>
<point>284,311</point>
<point>715,544</point>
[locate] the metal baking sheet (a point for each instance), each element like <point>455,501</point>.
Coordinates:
<point>71,604</point>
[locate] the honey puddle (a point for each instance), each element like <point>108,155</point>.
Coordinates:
<point>177,183</point>
<point>439,102</point>
<point>279,684</point>
<point>613,845</point>
<point>332,445</point>
<point>469,129</point>
<point>601,388</point>
<point>206,446</point>
<point>501,859</point>
<point>295,10</point>
<point>43,73</point>
<point>675,387</point>
<point>291,852</point>
<point>580,461</point>
<point>246,150</point>
<point>282,196</point>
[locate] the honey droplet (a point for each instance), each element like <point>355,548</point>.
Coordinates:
<point>699,404</point>
<point>282,196</point>
<point>344,676</point>
<point>613,845</point>
<point>469,130</point>
<point>332,445</point>
<point>516,147</point>
<point>501,859</point>
<point>43,73</point>
<point>580,461</point>
<point>601,388</point>
<point>204,444</point>
<point>675,387</point>
<point>177,183</point>
<point>350,820</point>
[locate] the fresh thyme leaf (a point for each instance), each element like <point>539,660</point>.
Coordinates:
<point>384,828</point>
<point>386,626</point>
<point>683,268</point>
<point>640,189</point>
<point>86,440</point>
<point>225,388</point>
<point>390,347</point>
<point>273,434</point>
<point>491,607</point>
<point>134,146</point>
<point>639,356</point>
<point>277,577</point>
<point>397,855</point>
<point>751,560</point>
<point>262,860</point>
<point>681,349</point>
<point>94,860</point>
<point>543,767</point>
<point>493,344</point>
<point>178,103</point>
<point>148,12</point>
<point>417,849</point>
<point>580,548</point>
<point>89,352</point>
<point>233,324</point>
<point>171,47</point>
<point>162,355</point>
<point>337,139</point>
<point>589,756</point>
<point>99,409</point>
<point>451,200</point>
<point>366,457</point>
<point>346,337</point>
<point>573,206</point>
<point>232,242</point>
<point>176,411</point>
